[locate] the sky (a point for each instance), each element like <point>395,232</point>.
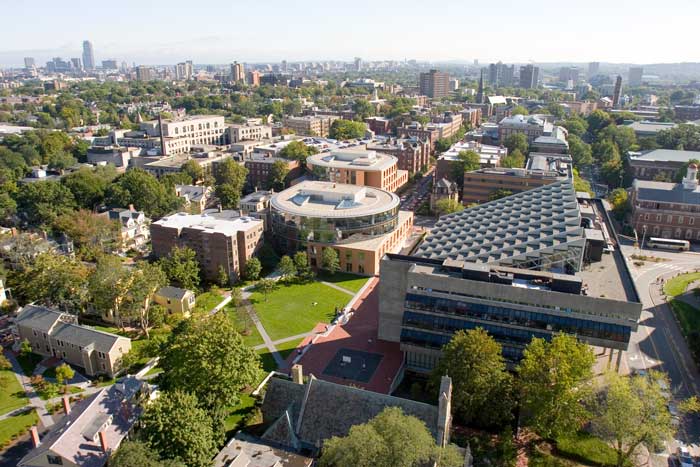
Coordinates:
<point>221,31</point>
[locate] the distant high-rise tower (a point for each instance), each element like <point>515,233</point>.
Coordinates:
<point>617,94</point>
<point>529,76</point>
<point>184,70</point>
<point>29,62</point>
<point>593,69</point>
<point>143,73</point>
<point>358,64</point>
<point>77,64</point>
<point>434,84</point>
<point>88,56</point>
<point>480,92</point>
<point>237,72</point>
<point>283,68</point>
<point>635,76</point>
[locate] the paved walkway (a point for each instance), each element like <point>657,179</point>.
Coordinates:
<point>336,287</point>
<point>287,339</point>
<point>34,399</point>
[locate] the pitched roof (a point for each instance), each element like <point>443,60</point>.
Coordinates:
<point>175,293</point>
<point>38,317</point>
<point>666,155</point>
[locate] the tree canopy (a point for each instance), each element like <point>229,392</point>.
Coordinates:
<point>142,190</point>
<point>230,178</point>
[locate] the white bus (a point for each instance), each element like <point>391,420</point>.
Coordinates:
<point>668,243</point>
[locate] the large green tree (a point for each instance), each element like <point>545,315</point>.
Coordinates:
<point>581,153</point>
<point>89,185</point>
<point>182,268</point>
<point>347,129</point>
<point>144,191</point>
<point>176,427</point>
<point>329,260</point>
<point>137,453</point>
<point>55,280</point>
<point>146,279</point>
<point>482,391</point>
<point>278,175</point>
<point>554,379</point>
<point>447,206</point>
<point>208,358</point>
<point>391,439</point>
<point>516,141</point>
<point>40,203</point>
<point>297,150</point>
<point>515,159</point>
<point>230,177</point>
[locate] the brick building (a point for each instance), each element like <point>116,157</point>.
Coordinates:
<point>413,153</point>
<point>259,166</point>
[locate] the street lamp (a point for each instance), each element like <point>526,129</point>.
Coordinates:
<point>644,234</point>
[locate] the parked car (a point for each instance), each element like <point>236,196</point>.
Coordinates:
<point>684,457</point>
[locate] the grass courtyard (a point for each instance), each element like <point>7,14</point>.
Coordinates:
<point>289,309</point>
<point>12,427</point>
<point>207,300</point>
<point>244,325</point>
<point>688,316</point>
<point>12,395</point>
<point>351,282</point>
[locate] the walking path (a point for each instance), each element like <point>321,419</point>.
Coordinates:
<point>221,304</point>
<point>263,333</point>
<point>336,287</point>
<point>34,399</point>
<point>286,339</point>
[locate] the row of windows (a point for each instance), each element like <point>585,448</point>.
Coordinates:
<point>554,323</point>
<point>669,219</point>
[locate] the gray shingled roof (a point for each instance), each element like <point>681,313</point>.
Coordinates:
<point>320,409</point>
<point>510,230</point>
<point>667,155</point>
<point>172,292</point>
<point>37,317</point>
<point>666,192</point>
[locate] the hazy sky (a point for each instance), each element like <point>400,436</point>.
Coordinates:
<point>220,31</point>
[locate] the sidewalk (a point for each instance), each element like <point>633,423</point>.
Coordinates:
<point>34,399</point>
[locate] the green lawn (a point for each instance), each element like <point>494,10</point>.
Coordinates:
<point>285,348</point>
<point>208,300</point>
<point>678,285</point>
<point>586,448</point>
<point>289,309</point>
<point>12,395</point>
<point>14,426</point>
<point>28,362</point>
<point>351,282</point>
<point>688,316</point>
<point>244,324</point>
<point>267,360</point>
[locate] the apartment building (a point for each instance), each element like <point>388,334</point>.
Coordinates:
<point>434,84</point>
<point>358,167</point>
<point>260,165</point>
<point>531,126</point>
<point>378,125</point>
<point>413,153</point>
<point>220,239</point>
<point>667,210</point>
<point>489,156</point>
<point>257,204</point>
<point>52,333</point>
<point>660,163</point>
<point>248,132</point>
<point>310,125</point>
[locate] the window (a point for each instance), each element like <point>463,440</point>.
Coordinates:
<point>691,221</point>
<point>669,219</point>
<point>54,460</point>
<point>680,220</point>
<point>658,218</point>
<point>646,216</point>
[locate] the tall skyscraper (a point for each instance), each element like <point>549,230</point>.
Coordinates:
<point>143,73</point>
<point>434,84</point>
<point>529,76</point>
<point>88,56</point>
<point>593,69</point>
<point>358,64</point>
<point>569,73</point>
<point>617,93</point>
<point>237,72</point>
<point>77,64</point>
<point>635,76</point>
<point>29,62</point>
<point>184,70</point>
<point>500,74</point>
<point>283,68</point>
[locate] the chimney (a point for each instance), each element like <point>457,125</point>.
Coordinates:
<point>35,437</point>
<point>131,208</point>
<point>66,404</point>
<point>444,411</point>
<point>297,374</point>
<point>103,441</point>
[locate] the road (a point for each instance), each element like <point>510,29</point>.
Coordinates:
<point>414,196</point>
<point>658,343</point>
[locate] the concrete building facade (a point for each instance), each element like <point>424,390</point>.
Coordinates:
<point>358,167</point>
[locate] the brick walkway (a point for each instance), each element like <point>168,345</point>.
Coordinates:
<point>359,334</point>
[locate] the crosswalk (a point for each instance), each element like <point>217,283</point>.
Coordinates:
<point>662,268</point>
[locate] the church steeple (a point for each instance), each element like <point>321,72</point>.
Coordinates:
<point>480,92</point>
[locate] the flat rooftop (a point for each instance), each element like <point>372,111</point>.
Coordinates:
<point>328,199</point>
<point>665,155</point>
<point>224,222</point>
<point>355,159</point>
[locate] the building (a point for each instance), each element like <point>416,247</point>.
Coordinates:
<point>248,132</point>
<point>195,197</point>
<point>501,75</point>
<point>413,154</point>
<point>542,169</point>
<point>88,56</point>
<point>617,92</point>
<point>260,167</point>
<point>593,69</point>
<point>207,159</point>
<point>110,65</point>
<point>635,74</point>
<point>529,265</point>
<point>660,163</point>
<point>556,144</point>
<point>253,78</point>
<point>257,204</point>
<point>118,156</point>
<point>434,84</point>
<point>687,113</point>
<point>667,210</point>
<point>93,428</point>
<point>55,334</point>
<point>529,125</point>
<point>184,71</point>
<point>645,129</point>
<point>143,73</point>
<point>29,62</point>
<point>221,240</point>
<point>77,64</point>
<point>569,74</point>
<point>378,125</point>
<point>310,125</point>
<point>248,451</point>
<point>237,72</point>
<point>529,76</point>
<point>183,133</point>
<point>175,300</point>
<point>134,229</point>
<point>443,189</point>
<point>361,223</point>
<point>302,416</point>
<point>358,167</point>
<point>454,84</point>
<point>489,156</point>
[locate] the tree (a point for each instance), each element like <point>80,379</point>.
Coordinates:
<point>89,185</point>
<point>597,120</point>
<point>175,426</point>
<point>266,287</point>
<point>277,176</point>
<point>632,412</point>
<point>516,141</point>
<point>347,129</point>
<point>391,439</point>
<point>55,280</point>
<point>109,285</point>
<point>230,178</point>
<point>253,268</point>
<point>576,126</point>
<point>554,379</point>
<point>301,261</point>
<point>193,170</point>
<point>514,159</point>
<point>685,136</point>
<point>581,153</point>
<point>144,191</point>
<point>5,364</point>
<point>181,267</point>
<point>297,150</point>
<point>208,358</point>
<point>287,268</point>
<point>64,373</point>
<point>580,184</point>
<point>363,108</point>
<point>222,277</point>
<point>135,453</point>
<point>498,194</point>
<point>624,137</point>
<point>330,261</point>
<point>89,232</point>
<point>40,203</point>
<point>146,280</point>
<point>481,385</point>
<point>519,110</point>
<point>618,198</point>
<point>447,206</point>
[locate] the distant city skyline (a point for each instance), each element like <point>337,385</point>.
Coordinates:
<point>159,32</point>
